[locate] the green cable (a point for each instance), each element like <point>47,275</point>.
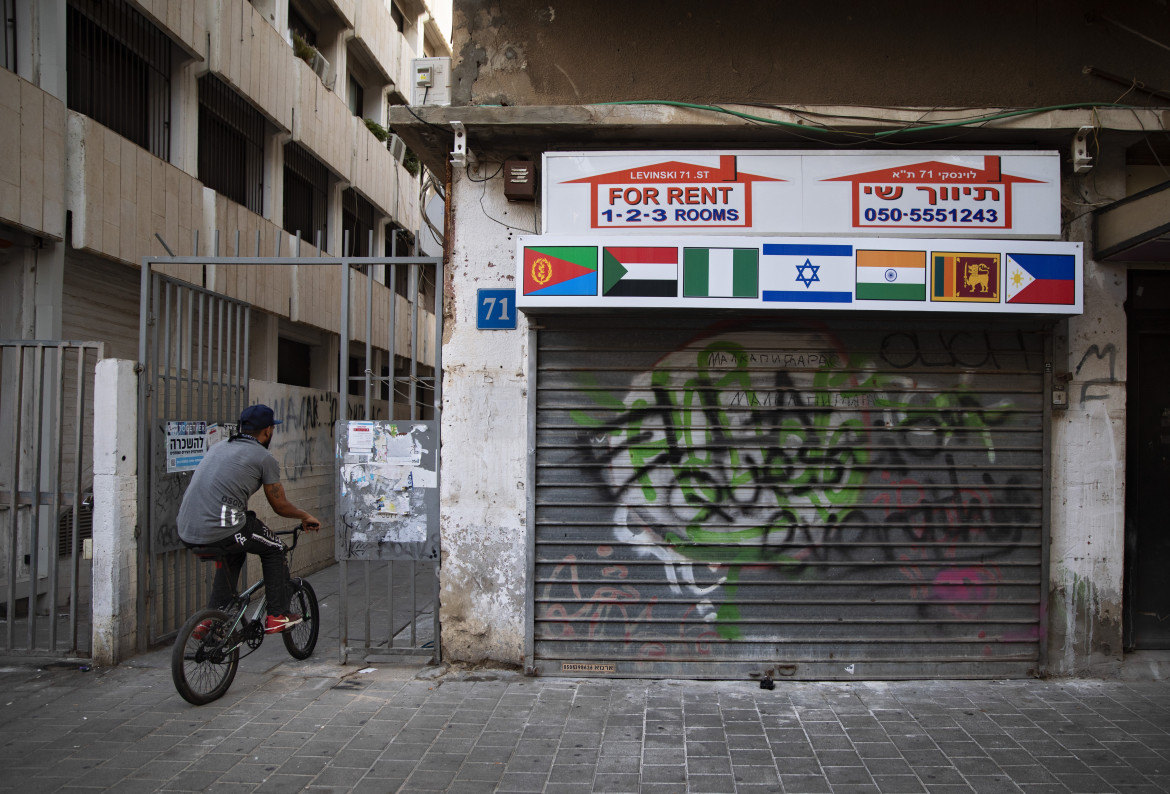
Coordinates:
<point>886,133</point>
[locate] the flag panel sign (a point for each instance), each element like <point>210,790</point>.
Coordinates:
<point>808,274</point>
<point>1040,278</point>
<point>639,271</point>
<point>560,270</point>
<point>891,275</point>
<point>721,272</point>
<point>804,273</point>
<point>972,277</point>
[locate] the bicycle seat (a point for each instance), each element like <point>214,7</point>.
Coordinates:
<point>208,553</point>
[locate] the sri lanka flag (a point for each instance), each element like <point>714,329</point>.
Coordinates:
<point>639,272</point>
<point>1041,278</point>
<point>560,270</point>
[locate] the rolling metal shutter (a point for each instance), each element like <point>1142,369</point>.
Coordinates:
<point>728,498</point>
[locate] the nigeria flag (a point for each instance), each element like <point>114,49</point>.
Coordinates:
<point>721,273</point>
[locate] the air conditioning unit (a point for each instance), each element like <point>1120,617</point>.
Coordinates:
<point>323,70</point>
<point>397,147</point>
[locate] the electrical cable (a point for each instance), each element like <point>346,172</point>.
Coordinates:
<point>881,135</point>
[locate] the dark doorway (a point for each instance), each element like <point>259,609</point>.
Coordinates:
<point>1147,531</point>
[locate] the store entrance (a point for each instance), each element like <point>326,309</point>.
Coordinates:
<point>1147,532</point>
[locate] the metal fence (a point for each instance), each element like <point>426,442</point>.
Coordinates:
<point>46,486</point>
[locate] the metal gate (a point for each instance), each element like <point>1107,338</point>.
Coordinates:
<point>390,606</point>
<point>193,354</point>
<point>46,488</point>
<point>773,497</point>
<point>194,350</point>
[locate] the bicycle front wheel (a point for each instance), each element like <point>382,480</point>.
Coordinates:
<point>201,667</point>
<point>302,638</point>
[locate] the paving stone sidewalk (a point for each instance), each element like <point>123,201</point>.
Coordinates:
<point>289,726</point>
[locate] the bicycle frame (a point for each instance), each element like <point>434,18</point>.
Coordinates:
<point>239,606</point>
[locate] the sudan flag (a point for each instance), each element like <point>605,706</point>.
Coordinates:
<point>560,270</point>
<point>639,272</point>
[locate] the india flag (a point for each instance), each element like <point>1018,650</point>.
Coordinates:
<point>721,272</point>
<point>891,275</point>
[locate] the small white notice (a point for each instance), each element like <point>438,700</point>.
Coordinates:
<point>361,437</point>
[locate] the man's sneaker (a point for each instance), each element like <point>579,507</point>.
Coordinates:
<point>279,623</point>
<point>202,629</point>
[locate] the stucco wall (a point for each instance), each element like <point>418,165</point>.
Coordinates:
<point>535,52</point>
<point>485,441</point>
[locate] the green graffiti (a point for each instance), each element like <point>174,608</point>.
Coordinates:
<point>739,464</point>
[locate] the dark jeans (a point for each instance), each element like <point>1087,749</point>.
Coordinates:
<point>255,538</point>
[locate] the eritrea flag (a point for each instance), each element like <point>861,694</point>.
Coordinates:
<point>560,270</point>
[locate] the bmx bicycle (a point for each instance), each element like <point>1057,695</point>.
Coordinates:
<point>207,650</point>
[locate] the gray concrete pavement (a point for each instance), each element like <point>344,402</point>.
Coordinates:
<point>318,726</point>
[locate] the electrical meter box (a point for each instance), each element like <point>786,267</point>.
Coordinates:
<point>430,81</point>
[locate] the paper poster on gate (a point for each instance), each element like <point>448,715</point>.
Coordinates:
<point>1006,194</point>
<point>186,444</point>
<point>388,506</point>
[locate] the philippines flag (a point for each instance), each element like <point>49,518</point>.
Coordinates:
<point>1041,278</point>
<point>793,273</point>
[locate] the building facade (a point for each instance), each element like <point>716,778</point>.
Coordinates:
<point>647,486</point>
<point>209,128</point>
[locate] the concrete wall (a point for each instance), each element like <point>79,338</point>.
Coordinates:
<point>32,138</point>
<point>485,440</point>
<point>529,52</point>
<point>1087,552</point>
<point>115,512</point>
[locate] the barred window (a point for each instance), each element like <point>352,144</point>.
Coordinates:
<point>306,185</point>
<point>119,71</point>
<point>357,218</point>
<point>231,144</point>
<point>8,39</point>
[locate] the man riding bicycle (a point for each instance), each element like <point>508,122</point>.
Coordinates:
<point>215,512</point>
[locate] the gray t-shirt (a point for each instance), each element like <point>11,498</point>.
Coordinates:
<point>216,500</point>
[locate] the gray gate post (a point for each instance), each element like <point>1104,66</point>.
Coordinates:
<point>115,511</point>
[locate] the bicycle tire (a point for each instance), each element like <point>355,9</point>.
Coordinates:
<point>202,672</point>
<point>301,639</point>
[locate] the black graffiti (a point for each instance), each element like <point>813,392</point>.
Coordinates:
<point>953,349</point>
<point>306,412</point>
<point>1110,352</point>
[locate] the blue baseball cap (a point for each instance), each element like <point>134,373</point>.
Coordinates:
<point>256,417</point>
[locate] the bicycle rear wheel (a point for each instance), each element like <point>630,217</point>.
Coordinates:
<point>302,638</point>
<point>201,667</point>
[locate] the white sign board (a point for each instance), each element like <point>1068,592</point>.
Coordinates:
<point>186,444</point>
<point>907,194</point>
<point>763,272</point>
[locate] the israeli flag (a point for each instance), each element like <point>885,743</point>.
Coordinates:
<point>807,273</point>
